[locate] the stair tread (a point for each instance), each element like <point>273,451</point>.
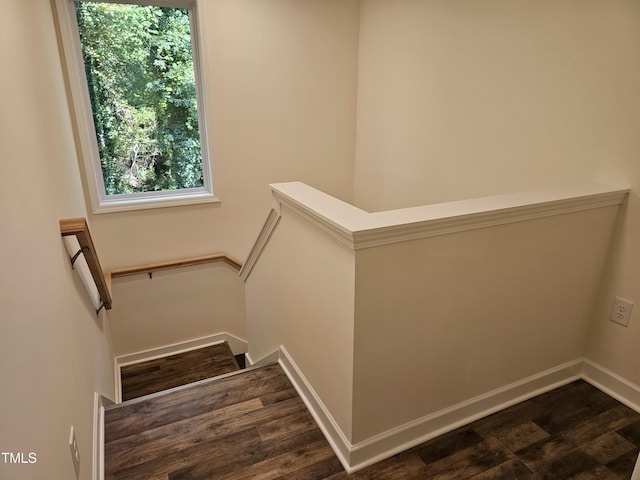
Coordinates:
<point>156,410</point>
<point>164,373</point>
<point>247,424</point>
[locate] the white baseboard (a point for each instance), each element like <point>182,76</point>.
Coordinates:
<point>389,443</point>
<point>99,402</point>
<point>612,384</point>
<point>236,344</point>
<point>617,387</point>
<point>332,432</point>
<point>267,360</point>
<point>438,423</point>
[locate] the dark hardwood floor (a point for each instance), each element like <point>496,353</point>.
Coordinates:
<point>168,372</point>
<point>253,425</point>
<point>241,424</point>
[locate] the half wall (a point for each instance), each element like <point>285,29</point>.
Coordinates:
<point>405,324</point>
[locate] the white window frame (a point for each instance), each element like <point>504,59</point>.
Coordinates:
<point>85,128</point>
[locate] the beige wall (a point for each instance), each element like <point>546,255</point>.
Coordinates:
<point>395,333</point>
<point>613,346</point>
<point>445,319</point>
<point>54,352</point>
<point>300,294</point>
<point>176,306</point>
<point>458,99</point>
<point>280,84</point>
<point>455,99</point>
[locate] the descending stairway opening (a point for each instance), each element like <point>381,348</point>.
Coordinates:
<point>160,374</point>
<point>245,425</point>
<point>253,425</point>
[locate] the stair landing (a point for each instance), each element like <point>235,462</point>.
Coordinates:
<point>167,372</point>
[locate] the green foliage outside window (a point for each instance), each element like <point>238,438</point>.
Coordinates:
<point>139,67</point>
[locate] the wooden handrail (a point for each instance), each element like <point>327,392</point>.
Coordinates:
<point>79,228</point>
<point>185,262</point>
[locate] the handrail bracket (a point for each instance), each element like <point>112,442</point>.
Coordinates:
<point>78,253</point>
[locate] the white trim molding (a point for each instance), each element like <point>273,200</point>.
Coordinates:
<point>273,357</point>
<point>438,423</point>
<point>612,384</point>
<point>99,402</point>
<point>360,455</point>
<point>617,387</point>
<point>359,229</point>
<point>260,243</point>
<point>320,413</point>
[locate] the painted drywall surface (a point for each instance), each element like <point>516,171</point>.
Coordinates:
<point>280,82</point>
<point>300,294</point>
<point>464,99</point>
<point>54,351</point>
<point>442,320</point>
<point>175,306</point>
<point>611,345</point>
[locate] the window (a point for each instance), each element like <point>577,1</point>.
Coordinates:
<point>134,73</point>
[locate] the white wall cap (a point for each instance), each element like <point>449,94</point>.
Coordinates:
<point>360,229</point>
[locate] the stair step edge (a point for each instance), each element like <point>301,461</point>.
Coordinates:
<point>168,391</point>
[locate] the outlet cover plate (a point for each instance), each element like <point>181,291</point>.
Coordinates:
<point>621,311</point>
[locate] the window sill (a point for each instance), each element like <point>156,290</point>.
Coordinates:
<point>134,202</point>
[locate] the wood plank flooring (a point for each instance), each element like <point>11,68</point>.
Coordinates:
<point>254,426</point>
<point>168,372</point>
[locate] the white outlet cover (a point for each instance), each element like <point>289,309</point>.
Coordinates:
<point>621,311</point>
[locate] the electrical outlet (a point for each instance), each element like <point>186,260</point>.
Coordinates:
<point>75,452</point>
<point>621,311</point>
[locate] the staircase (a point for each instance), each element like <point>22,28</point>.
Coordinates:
<point>251,424</point>
<point>244,424</point>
